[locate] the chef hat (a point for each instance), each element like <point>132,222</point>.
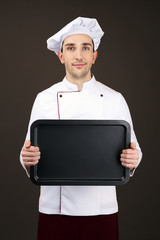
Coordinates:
<point>88,26</point>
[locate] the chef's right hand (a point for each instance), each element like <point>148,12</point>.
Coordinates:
<point>30,154</point>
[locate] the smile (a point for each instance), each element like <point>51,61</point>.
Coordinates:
<point>79,65</point>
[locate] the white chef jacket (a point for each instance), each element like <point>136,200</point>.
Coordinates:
<point>94,101</point>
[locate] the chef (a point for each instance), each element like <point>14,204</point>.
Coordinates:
<point>79,212</point>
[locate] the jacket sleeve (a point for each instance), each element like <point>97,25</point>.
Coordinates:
<point>124,113</point>
<point>36,114</point>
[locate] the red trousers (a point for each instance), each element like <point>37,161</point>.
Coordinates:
<point>61,227</point>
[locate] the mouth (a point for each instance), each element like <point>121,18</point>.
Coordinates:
<point>79,65</point>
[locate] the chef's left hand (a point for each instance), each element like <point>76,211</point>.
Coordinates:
<point>129,157</point>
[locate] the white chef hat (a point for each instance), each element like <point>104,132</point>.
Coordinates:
<point>88,26</point>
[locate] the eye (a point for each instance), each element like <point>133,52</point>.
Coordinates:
<point>70,48</point>
<point>86,48</point>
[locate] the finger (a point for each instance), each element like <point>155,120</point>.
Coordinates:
<point>30,154</point>
<point>129,151</point>
<point>129,156</point>
<point>133,145</point>
<point>129,161</point>
<point>31,149</point>
<point>130,166</point>
<point>125,160</point>
<point>27,144</point>
<point>29,164</point>
<point>35,149</point>
<point>30,159</point>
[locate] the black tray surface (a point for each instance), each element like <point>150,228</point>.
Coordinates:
<point>80,152</point>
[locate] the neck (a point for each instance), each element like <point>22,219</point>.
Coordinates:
<point>78,81</point>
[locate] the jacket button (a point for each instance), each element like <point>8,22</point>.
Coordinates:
<point>101,95</point>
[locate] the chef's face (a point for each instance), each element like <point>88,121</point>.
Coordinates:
<point>78,56</point>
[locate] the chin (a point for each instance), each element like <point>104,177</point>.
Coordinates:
<point>80,75</point>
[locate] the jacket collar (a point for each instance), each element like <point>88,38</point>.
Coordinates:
<point>73,87</point>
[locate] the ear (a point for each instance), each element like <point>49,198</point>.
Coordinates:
<point>60,56</point>
<point>95,54</point>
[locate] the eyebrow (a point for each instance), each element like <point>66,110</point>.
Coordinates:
<point>73,44</point>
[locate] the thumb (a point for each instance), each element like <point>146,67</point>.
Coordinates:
<point>27,144</point>
<point>133,145</point>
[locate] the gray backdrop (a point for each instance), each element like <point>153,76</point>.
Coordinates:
<point>128,62</point>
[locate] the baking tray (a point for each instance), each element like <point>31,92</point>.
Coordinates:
<point>80,152</point>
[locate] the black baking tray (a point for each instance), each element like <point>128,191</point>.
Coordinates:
<point>80,152</point>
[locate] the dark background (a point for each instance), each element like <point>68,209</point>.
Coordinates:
<point>128,62</point>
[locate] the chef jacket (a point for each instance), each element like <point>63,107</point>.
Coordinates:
<point>94,101</point>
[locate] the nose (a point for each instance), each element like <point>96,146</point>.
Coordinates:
<point>78,55</point>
